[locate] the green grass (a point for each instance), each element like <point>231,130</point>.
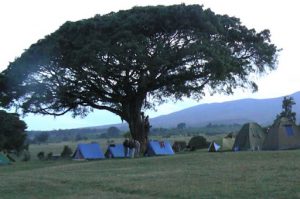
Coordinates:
<point>188,175</point>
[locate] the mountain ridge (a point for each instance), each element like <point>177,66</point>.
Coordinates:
<point>240,111</point>
<point>262,111</point>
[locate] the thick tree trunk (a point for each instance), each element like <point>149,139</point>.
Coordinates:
<point>137,130</point>
<point>136,122</point>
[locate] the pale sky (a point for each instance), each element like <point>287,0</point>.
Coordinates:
<point>25,22</point>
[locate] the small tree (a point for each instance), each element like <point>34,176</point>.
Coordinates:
<point>42,137</point>
<point>67,152</point>
<point>12,132</point>
<point>49,156</point>
<point>113,131</point>
<point>78,137</point>
<point>197,142</point>
<point>181,125</point>
<point>179,146</point>
<point>26,155</point>
<point>127,134</point>
<point>287,112</point>
<point>41,155</point>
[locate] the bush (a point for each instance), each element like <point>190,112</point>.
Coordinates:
<point>41,155</point>
<point>198,142</point>
<point>26,156</point>
<point>42,137</point>
<point>49,156</point>
<point>78,137</point>
<point>67,152</point>
<point>113,132</point>
<point>179,146</point>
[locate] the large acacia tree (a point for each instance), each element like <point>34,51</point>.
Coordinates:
<point>132,60</point>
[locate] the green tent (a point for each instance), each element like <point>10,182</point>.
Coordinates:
<point>250,137</point>
<point>227,143</point>
<point>3,159</point>
<point>284,134</point>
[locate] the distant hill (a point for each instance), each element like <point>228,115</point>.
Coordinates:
<point>262,111</point>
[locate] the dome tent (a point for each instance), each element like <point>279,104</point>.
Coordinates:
<point>214,147</point>
<point>227,143</point>
<point>3,159</point>
<point>284,134</point>
<point>250,137</point>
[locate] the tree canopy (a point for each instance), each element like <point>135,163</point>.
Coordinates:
<point>287,109</point>
<point>113,132</point>
<point>132,60</point>
<point>41,138</point>
<point>12,132</point>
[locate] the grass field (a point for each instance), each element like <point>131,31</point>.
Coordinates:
<point>196,174</point>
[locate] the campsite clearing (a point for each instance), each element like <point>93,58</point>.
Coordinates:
<point>199,174</point>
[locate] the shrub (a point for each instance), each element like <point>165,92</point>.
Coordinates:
<point>113,132</point>
<point>179,146</point>
<point>49,156</point>
<point>67,152</point>
<point>42,137</point>
<point>78,137</point>
<point>26,156</point>
<point>41,155</point>
<point>197,142</point>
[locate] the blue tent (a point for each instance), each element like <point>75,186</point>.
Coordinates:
<point>115,151</point>
<point>159,148</point>
<point>88,152</point>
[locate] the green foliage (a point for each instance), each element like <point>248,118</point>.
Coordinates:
<point>181,125</point>
<point>12,132</point>
<point>80,137</point>
<point>117,62</point>
<point>113,131</point>
<point>179,146</point>
<point>26,155</point>
<point>41,155</point>
<point>159,131</point>
<point>198,142</point>
<point>69,134</point>
<point>42,137</point>
<point>287,112</point>
<point>49,155</point>
<point>180,48</point>
<point>213,129</point>
<point>127,135</point>
<point>67,152</point>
